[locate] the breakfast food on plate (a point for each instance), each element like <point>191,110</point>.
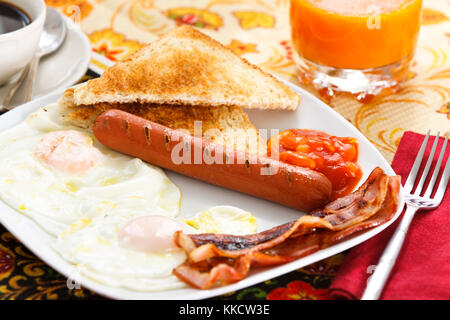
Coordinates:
<point>123,248</point>
<point>217,260</point>
<point>186,67</point>
<point>115,217</point>
<point>57,174</point>
<point>335,157</point>
<point>293,186</point>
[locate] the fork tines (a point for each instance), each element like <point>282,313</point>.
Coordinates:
<point>409,185</point>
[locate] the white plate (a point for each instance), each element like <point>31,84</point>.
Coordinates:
<point>62,68</point>
<point>313,114</point>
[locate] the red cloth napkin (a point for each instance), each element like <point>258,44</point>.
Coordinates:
<point>422,270</point>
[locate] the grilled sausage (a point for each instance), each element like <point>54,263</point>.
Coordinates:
<point>297,187</point>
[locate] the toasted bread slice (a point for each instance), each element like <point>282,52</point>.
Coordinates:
<point>224,125</point>
<point>187,67</point>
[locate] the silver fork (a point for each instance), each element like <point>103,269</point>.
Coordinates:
<point>414,202</point>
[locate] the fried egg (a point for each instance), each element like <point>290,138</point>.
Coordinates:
<point>101,249</point>
<point>137,252</point>
<point>223,219</point>
<point>57,175</point>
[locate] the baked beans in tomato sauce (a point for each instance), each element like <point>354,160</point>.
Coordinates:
<point>335,157</point>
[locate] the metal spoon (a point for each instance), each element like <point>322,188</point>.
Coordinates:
<point>14,87</point>
<point>51,39</point>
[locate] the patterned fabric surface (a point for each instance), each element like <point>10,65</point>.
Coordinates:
<point>259,31</point>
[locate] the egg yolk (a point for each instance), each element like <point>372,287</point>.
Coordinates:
<point>150,234</point>
<point>68,151</point>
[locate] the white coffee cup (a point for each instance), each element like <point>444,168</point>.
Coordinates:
<point>18,47</point>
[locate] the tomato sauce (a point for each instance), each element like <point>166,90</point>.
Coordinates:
<point>335,157</point>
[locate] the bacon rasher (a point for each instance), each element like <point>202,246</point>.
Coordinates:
<point>219,259</point>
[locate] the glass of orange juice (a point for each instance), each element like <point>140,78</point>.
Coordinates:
<point>356,46</point>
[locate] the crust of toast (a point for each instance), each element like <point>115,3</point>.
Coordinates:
<point>187,68</point>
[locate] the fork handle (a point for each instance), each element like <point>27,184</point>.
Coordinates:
<point>387,261</point>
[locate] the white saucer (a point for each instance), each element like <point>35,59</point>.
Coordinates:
<point>61,69</point>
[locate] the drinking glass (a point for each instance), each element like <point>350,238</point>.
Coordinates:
<point>353,46</point>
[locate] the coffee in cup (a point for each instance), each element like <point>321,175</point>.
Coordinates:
<point>21,24</point>
<point>12,17</point>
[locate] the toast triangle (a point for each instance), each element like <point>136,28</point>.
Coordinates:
<point>187,67</point>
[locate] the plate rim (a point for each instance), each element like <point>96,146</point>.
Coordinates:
<point>18,113</point>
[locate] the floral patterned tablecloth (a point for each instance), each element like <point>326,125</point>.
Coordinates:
<point>259,31</point>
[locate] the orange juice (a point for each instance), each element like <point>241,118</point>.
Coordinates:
<point>355,34</point>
